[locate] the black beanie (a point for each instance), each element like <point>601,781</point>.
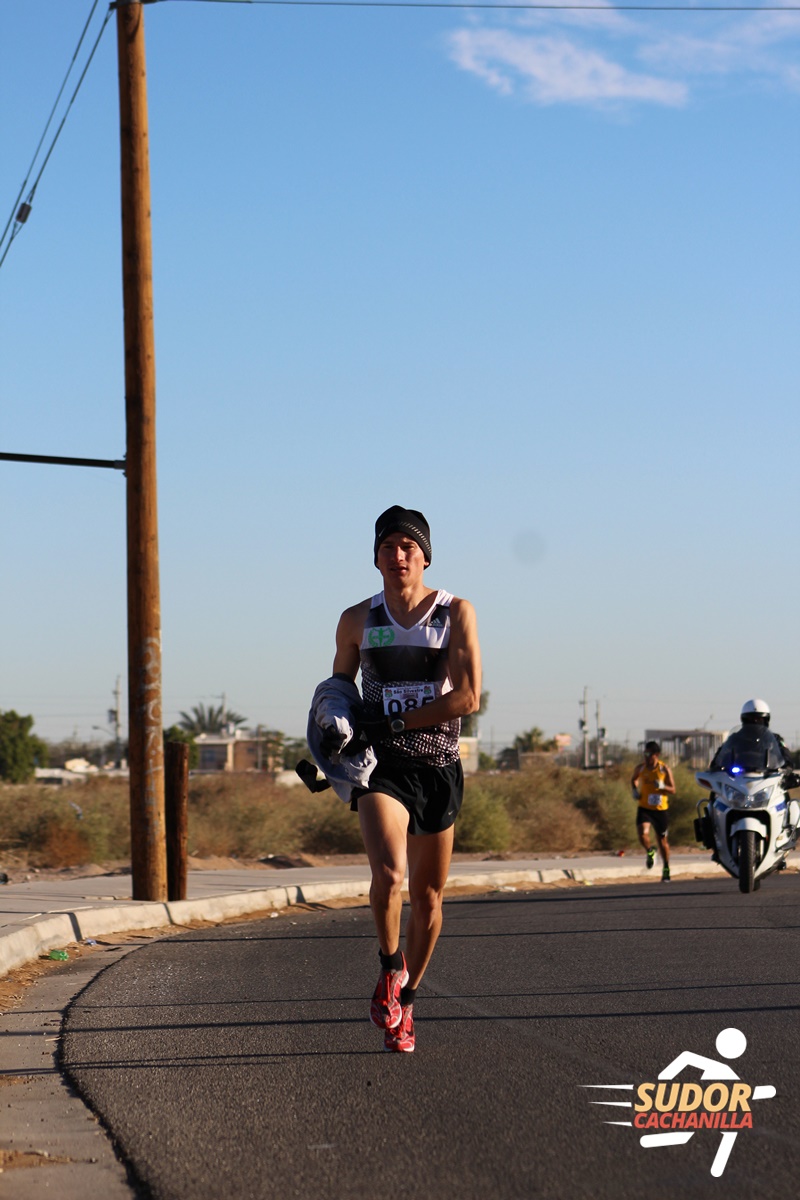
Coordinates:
<point>403,520</point>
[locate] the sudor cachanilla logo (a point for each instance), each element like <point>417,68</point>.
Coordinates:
<point>678,1109</point>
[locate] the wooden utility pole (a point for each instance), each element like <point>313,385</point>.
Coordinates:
<point>148,839</point>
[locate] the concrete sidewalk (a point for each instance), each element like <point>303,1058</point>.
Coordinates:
<point>39,916</point>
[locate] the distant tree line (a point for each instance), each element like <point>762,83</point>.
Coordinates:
<point>21,751</point>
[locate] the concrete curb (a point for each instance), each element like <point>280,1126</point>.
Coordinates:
<point>23,943</point>
<point>583,875</point>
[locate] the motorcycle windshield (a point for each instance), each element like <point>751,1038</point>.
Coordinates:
<point>751,750</point>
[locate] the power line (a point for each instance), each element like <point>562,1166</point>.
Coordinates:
<point>21,212</point>
<point>455,4</point>
<point>49,120</point>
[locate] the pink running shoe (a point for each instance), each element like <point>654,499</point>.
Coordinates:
<point>385,1010</point>
<point>402,1036</point>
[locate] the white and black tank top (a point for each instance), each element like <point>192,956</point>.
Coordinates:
<point>403,669</point>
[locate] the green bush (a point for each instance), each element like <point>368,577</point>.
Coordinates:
<point>542,816</point>
<point>683,806</point>
<point>484,825</point>
<point>607,803</point>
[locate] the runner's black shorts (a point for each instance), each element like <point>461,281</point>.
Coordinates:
<point>431,795</point>
<point>657,817</point>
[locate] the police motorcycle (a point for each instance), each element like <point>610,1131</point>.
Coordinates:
<point>749,819</point>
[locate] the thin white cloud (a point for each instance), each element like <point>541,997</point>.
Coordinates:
<point>602,58</point>
<point>754,47</point>
<point>552,70</point>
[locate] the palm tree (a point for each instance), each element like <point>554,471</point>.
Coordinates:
<point>533,740</point>
<point>209,720</point>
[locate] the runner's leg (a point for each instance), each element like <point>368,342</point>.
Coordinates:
<point>643,830</point>
<point>428,864</point>
<point>384,828</point>
<point>663,845</point>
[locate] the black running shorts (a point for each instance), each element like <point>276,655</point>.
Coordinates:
<point>432,795</point>
<point>657,817</point>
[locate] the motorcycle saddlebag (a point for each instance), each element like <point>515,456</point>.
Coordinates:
<point>704,832</point>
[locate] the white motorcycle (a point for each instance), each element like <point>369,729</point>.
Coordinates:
<point>750,821</point>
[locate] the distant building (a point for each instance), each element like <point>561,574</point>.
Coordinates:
<point>237,751</point>
<point>468,753</point>
<point>77,771</point>
<point>693,747</point>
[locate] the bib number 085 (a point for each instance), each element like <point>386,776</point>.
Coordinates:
<point>399,700</point>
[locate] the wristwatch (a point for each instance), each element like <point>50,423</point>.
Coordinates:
<point>397,724</point>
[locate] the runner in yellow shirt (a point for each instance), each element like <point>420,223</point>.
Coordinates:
<point>652,785</point>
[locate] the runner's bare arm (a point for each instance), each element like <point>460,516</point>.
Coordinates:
<point>464,664</point>
<point>636,774</point>
<point>669,781</point>
<point>349,631</point>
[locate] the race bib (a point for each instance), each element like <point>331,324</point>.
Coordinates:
<point>407,697</point>
<point>654,799</point>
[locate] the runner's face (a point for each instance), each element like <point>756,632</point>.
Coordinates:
<point>400,559</point>
<point>651,759</point>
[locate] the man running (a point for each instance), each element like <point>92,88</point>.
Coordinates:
<point>652,785</point>
<point>417,649</point>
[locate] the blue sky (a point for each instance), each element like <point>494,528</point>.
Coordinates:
<point>533,273</point>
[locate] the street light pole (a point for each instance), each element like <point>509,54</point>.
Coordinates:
<point>584,725</point>
<point>148,838</point>
<point>117,726</point>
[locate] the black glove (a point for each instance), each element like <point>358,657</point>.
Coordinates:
<point>367,732</point>
<point>331,741</point>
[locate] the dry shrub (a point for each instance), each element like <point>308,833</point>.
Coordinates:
<point>66,826</point>
<point>249,816</point>
<point>330,827</point>
<point>60,845</point>
<point>561,810</point>
<point>544,809</point>
<point>541,816</point>
<point>607,804</point>
<point>244,816</point>
<point>105,817</point>
<point>565,810</point>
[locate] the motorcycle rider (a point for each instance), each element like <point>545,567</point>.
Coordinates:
<point>652,785</point>
<point>750,754</point>
<point>756,712</point>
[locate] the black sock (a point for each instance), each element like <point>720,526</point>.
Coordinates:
<point>407,996</point>
<point>391,962</point>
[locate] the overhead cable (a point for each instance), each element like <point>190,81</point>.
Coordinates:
<point>502,6</point>
<point>21,212</point>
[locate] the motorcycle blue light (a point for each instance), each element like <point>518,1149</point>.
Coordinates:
<point>736,770</point>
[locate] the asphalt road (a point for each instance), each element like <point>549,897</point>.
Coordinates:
<point>239,1062</point>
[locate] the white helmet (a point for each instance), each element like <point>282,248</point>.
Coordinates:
<point>755,712</point>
